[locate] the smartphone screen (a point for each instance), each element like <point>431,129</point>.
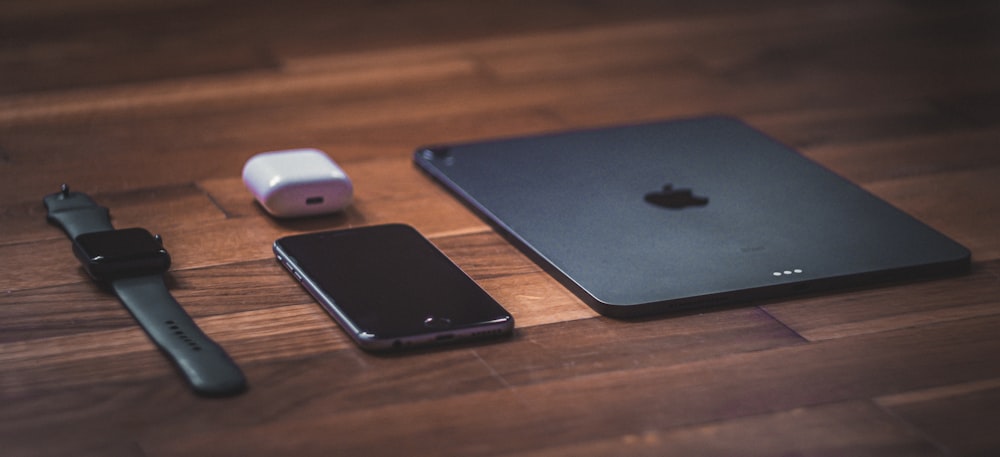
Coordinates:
<point>389,287</point>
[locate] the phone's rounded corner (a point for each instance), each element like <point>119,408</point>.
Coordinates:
<point>431,152</point>
<point>277,250</point>
<point>369,342</point>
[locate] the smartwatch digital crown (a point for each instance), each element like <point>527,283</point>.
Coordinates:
<point>132,262</point>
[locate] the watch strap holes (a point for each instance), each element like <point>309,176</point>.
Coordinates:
<point>182,336</point>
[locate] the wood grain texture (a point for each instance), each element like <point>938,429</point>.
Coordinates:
<point>153,108</point>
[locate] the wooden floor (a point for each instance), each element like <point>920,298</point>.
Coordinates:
<point>153,107</point>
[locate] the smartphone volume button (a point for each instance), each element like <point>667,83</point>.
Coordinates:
<point>290,269</point>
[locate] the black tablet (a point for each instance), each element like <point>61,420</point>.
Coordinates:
<point>648,218</point>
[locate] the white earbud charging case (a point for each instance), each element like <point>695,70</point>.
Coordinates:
<point>297,182</point>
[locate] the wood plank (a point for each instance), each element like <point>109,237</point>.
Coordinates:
<point>850,428</point>
<point>578,52</point>
<point>616,404</point>
<point>942,414</point>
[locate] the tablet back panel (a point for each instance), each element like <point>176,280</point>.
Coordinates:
<point>774,222</point>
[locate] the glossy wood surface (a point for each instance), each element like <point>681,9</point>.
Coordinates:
<point>153,107</point>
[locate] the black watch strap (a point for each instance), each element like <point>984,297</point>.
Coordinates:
<point>207,367</point>
<point>205,364</point>
<point>76,213</point>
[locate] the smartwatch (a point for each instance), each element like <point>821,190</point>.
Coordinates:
<point>132,262</point>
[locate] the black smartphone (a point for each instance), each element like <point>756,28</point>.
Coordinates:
<point>389,288</point>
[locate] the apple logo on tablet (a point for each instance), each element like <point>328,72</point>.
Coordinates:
<point>668,197</point>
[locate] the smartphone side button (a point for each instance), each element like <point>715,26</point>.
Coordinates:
<point>435,322</point>
<point>290,269</point>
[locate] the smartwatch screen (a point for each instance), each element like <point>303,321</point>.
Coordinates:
<point>119,253</point>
